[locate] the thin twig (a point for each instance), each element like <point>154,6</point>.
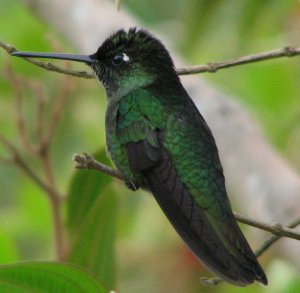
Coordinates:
<point>17,158</point>
<point>209,67</point>
<point>42,152</point>
<point>275,228</point>
<point>20,120</point>
<point>214,67</point>
<point>44,155</point>
<point>40,113</point>
<point>48,65</point>
<point>53,195</point>
<point>88,162</point>
<point>55,200</point>
<point>274,238</point>
<point>63,94</point>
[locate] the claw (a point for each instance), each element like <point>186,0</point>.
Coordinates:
<point>210,281</point>
<point>131,185</point>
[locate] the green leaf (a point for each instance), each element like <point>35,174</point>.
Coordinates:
<point>84,189</point>
<point>8,250</point>
<point>94,246</point>
<point>92,222</point>
<point>47,277</point>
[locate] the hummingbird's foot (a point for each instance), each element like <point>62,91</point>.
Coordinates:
<point>131,185</point>
<point>211,281</point>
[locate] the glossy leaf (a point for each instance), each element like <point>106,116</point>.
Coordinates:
<point>47,277</point>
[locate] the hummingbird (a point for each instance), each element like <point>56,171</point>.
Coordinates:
<point>159,141</point>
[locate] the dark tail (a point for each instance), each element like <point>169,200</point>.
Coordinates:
<point>220,245</point>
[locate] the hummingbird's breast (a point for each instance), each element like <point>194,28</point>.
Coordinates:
<point>115,149</point>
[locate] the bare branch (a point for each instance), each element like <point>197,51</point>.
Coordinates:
<point>41,96</point>
<point>55,200</point>
<point>274,238</point>
<point>275,228</point>
<point>20,120</point>
<point>214,67</point>
<point>48,65</point>
<point>18,160</point>
<point>88,162</point>
<point>44,155</point>
<point>8,48</point>
<point>51,192</point>
<point>42,150</point>
<point>63,94</point>
<point>209,67</point>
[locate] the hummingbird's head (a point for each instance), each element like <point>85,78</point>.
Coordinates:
<point>125,61</point>
<point>129,60</point>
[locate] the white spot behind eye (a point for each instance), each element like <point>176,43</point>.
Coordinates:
<point>125,57</point>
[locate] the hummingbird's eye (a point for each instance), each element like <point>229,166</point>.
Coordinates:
<point>119,58</point>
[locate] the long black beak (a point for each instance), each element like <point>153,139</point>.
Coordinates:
<point>73,57</point>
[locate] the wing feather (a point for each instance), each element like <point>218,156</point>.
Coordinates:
<point>226,253</point>
<point>181,167</point>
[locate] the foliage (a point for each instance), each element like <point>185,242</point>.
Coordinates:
<point>47,277</point>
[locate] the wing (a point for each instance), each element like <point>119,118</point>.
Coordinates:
<point>179,164</point>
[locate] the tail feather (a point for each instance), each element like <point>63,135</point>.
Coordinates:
<point>225,251</point>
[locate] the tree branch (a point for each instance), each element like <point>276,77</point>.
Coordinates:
<point>48,65</point>
<point>60,100</point>
<point>276,228</point>
<point>214,67</point>
<point>274,238</point>
<point>41,108</point>
<point>16,158</point>
<point>209,67</point>
<point>20,120</point>
<point>41,150</point>
<point>89,162</point>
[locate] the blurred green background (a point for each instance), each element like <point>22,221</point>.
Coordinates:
<point>149,255</point>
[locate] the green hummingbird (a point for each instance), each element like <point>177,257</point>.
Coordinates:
<point>159,141</point>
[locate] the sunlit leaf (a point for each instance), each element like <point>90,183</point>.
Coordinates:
<point>47,277</point>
